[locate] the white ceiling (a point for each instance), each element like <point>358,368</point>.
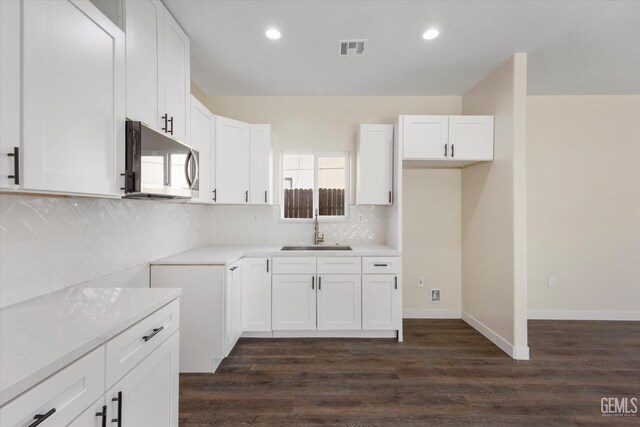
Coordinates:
<point>574,47</point>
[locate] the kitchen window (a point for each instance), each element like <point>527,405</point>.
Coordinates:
<point>315,182</point>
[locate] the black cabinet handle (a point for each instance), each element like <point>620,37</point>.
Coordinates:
<point>381,265</point>
<point>119,400</point>
<point>446,149</point>
<point>395,285</point>
<point>155,332</point>
<point>389,196</point>
<point>453,146</point>
<point>103,414</point>
<point>267,265</point>
<point>246,196</point>
<point>234,268</point>
<point>313,282</point>
<point>16,165</point>
<point>166,127</point>
<point>319,283</point>
<point>214,195</point>
<point>265,196</point>
<point>171,121</point>
<point>39,418</point>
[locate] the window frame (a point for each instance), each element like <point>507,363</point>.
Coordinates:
<point>346,155</point>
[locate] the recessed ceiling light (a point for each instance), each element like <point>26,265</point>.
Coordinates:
<point>272,34</point>
<point>430,34</point>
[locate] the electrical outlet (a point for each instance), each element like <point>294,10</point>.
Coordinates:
<point>255,218</point>
<point>421,281</point>
<point>360,218</point>
<point>552,282</point>
<point>435,295</point>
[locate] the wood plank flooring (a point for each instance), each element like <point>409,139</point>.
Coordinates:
<point>443,373</point>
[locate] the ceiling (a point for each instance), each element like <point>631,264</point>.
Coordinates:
<point>574,47</point>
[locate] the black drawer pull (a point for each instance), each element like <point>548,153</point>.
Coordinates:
<point>103,414</point>
<point>39,418</point>
<point>214,195</point>
<point>234,268</point>
<point>395,284</point>
<point>152,334</point>
<point>119,400</point>
<point>381,265</point>
<point>16,165</point>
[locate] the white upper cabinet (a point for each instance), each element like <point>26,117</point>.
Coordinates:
<point>73,97</point>
<point>261,166</point>
<point>446,141</point>
<point>374,170</point>
<point>177,74</point>
<point>231,168</point>
<point>202,131</point>
<point>145,75</point>
<point>471,137</point>
<point>158,69</point>
<point>425,137</point>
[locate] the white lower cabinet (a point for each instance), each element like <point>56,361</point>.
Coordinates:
<point>256,295</point>
<point>145,393</point>
<point>147,396</point>
<point>339,302</point>
<point>294,302</point>
<point>211,316</point>
<point>381,302</point>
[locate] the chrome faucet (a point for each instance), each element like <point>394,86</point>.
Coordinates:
<point>317,237</point>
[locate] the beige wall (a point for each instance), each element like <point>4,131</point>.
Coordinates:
<point>493,214</point>
<point>431,241</point>
<point>583,175</point>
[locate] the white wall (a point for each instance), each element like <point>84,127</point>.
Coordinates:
<point>431,241</point>
<point>49,243</point>
<point>494,214</point>
<point>583,206</point>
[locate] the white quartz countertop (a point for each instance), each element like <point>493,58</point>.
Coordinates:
<point>41,336</point>
<point>227,254</point>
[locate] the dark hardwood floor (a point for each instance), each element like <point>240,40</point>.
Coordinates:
<point>443,373</point>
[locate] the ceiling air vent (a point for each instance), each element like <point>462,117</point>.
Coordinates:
<point>351,47</point>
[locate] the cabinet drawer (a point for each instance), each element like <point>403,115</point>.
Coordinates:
<point>126,350</point>
<point>381,265</point>
<point>65,394</point>
<point>294,265</point>
<point>339,265</point>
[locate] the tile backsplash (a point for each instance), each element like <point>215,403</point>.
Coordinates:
<point>49,243</point>
<point>261,225</point>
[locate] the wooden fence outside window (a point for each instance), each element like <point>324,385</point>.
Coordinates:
<point>298,203</point>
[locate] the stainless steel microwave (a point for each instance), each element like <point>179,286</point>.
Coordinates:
<point>157,166</point>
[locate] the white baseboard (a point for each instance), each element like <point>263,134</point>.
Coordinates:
<point>583,315</point>
<point>519,353</point>
<point>418,313</point>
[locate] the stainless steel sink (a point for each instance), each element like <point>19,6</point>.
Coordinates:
<point>317,248</point>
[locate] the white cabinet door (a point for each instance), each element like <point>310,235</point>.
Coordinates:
<point>233,306</point>
<point>381,302</point>
<point>256,294</point>
<point>202,129</point>
<point>261,166</point>
<point>425,137</point>
<point>374,178</point>
<point>148,395</point>
<point>145,73</point>
<point>177,78</point>
<point>231,161</point>
<point>471,137</point>
<point>202,318</point>
<point>339,302</point>
<point>10,92</point>
<point>294,302</point>
<point>73,98</point>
